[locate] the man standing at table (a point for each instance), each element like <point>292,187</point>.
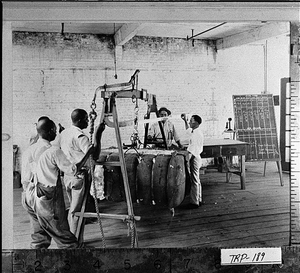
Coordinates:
<point>195,148</point>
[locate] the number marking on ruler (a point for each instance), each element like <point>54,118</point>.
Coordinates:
<point>295,165</point>
<point>137,260</point>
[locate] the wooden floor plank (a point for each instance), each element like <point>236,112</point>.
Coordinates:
<point>229,216</point>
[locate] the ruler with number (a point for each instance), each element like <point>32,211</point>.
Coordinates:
<point>295,167</point>
<point>295,134</point>
<point>138,260</point>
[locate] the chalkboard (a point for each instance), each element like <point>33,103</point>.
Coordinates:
<point>254,121</point>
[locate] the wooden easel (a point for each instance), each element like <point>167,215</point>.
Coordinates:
<point>278,162</point>
<point>255,124</point>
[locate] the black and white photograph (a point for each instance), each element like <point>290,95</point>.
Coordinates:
<point>152,125</point>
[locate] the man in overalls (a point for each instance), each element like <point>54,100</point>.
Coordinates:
<point>43,196</point>
<point>170,132</point>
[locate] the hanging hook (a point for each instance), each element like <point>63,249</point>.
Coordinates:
<point>133,99</point>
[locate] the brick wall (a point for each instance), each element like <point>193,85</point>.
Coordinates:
<point>52,76</point>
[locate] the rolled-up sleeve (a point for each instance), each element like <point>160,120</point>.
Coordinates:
<point>83,143</point>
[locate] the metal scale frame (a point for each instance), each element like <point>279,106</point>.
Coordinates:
<point>109,93</point>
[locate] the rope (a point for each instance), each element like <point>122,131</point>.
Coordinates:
<point>131,230</point>
<point>133,234</point>
<point>93,116</point>
<point>96,204</point>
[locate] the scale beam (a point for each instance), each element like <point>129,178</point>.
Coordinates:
<point>134,93</point>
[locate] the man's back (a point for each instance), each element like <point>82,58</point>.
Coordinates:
<point>50,162</point>
<point>74,143</point>
<point>31,157</point>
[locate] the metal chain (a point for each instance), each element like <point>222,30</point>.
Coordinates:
<point>93,116</point>
<point>135,135</point>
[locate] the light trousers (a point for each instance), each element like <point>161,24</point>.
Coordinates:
<point>46,208</point>
<point>75,187</point>
<point>196,188</point>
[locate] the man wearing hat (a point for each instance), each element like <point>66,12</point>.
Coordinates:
<point>170,132</point>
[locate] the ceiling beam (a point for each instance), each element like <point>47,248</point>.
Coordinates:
<point>138,11</point>
<point>125,33</point>
<point>253,35</point>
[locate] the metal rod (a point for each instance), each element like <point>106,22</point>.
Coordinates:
<point>193,36</point>
<point>115,57</point>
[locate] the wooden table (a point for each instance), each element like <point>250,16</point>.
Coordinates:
<point>227,148</point>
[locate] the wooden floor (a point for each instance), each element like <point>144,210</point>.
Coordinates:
<point>229,217</point>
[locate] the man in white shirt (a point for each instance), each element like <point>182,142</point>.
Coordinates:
<point>34,137</point>
<point>195,148</point>
<point>75,143</point>
<point>170,132</point>
<point>43,195</point>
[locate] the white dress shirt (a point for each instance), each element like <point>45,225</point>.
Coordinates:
<point>195,146</point>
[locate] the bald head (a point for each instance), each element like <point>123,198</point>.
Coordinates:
<point>80,118</point>
<point>46,129</point>
<point>43,118</point>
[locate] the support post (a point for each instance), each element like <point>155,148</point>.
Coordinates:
<point>152,107</point>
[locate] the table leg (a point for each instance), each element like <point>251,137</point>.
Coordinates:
<point>228,176</point>
<point>228,165</point>
<point>265,166</point>
<point>280,171</point>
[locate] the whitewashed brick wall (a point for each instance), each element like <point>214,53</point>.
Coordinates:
<point>53,76</point>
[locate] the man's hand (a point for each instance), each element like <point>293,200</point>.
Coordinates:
<point>184,117</point>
